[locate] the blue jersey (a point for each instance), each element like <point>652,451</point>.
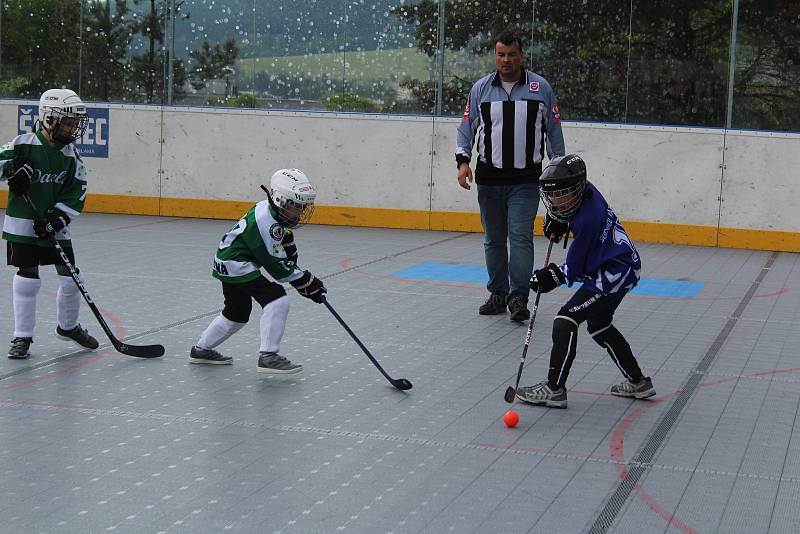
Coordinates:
<point>601,255</point>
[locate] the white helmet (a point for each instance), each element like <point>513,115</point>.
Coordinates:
<point>63,114</point>
<point>293,197</point>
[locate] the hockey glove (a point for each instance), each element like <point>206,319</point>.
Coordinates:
<point>310,287</point>
<point>54,221</point>
<point>289,246</point>
<point>21,175</point>
<point>547,279</point>
<point>554,230</point>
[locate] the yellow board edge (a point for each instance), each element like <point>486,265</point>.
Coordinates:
<point>646,232</point>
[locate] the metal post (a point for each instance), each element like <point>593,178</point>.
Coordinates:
<point>439,110</point>
<point>170,26</point>
<point>732,64</point>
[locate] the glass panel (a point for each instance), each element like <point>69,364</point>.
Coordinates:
<point>147,23</point>
<point>40,46</point>
<point>297,63</point>
<point>767,77</point>
<point>389,55</point>
<point>108,31</point>
<point>210,43</point>
<point>679,63</point>
<point>469,53</point>
<point>581,48</point>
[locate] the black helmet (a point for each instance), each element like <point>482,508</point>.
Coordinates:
<point>562,186</point>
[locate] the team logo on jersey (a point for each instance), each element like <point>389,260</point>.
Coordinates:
<point>466,110</point>
<point>534,87</point>
<point>556,114</point>
<point>276,231</point>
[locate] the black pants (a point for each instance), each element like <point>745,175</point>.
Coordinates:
<point>239,297</point>
<point>598,312</point>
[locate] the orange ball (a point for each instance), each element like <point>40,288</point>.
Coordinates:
<point>510,418</point>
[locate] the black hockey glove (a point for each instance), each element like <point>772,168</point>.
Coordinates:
<point>554,230</point>
<point>310,287</point>
<point>54,221</point>
<point>289,246</point>
<point>21,175</point>
<point>547,279</point>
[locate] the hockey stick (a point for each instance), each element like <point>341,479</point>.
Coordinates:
<point>400,383</point>
<point>139,351</point>
<point>511,392</point>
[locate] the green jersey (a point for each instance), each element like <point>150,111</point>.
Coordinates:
<point>254,242</point>
<point>59,180</point>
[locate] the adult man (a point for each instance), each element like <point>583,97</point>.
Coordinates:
<point>514,116</point>
<point>46,167</point>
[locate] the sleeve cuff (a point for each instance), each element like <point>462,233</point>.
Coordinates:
<point>460,158</point>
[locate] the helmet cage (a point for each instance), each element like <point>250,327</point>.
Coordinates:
<point>292,214</point>
<point>55,121</point>
<point>563,198</point>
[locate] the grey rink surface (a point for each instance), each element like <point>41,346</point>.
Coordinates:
<point>101,442</point>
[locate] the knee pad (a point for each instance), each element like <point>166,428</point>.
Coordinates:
<point>602,333</point>
<point>563,328</point>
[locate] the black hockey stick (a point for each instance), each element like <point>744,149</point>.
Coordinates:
<point>400,383</point>
<point>139,351</point>
<point>511,392</point>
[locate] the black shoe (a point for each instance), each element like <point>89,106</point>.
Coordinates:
<point>198,355</point>
<point>20,348</point>
<point>494,305</point>
<point>79,335</point>
<point>518,308</point>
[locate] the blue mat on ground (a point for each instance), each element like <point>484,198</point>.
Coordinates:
<point>476,274</point>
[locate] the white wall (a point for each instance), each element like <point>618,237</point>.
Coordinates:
<point>649,173</point>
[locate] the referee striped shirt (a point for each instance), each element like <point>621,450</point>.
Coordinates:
<point>513,130</point>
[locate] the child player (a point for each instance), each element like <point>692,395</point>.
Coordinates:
<point>262,239</point>
<point>45,166</point>
<point>603,259</point>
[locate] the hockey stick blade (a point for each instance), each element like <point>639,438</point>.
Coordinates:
<point>139,351</point>
<point>400,383</point>
<point>510,394</point>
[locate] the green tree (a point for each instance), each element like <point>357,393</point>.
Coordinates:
<point>106,40</point>
<point>40,44</point>
<point>210,62</point>
<point>147,72</point>
<point>676,72</point>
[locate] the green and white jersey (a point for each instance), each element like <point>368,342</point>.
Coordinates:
<point>254,242</point>
<point>59,180</point>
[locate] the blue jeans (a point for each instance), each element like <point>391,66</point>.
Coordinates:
<point>507,215</point>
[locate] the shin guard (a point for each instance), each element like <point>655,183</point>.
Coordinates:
<point>24,290</point>
<point>220,329</point>
<point>273,324</point>
<point>68,303</point>
<point>565,337</point>
<point>618,348</point>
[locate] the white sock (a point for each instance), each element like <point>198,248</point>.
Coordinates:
<point>273,323</point>
<point>68,300</point>
<point>24,291</point>
<point>220,329</point>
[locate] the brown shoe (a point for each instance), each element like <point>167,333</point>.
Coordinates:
<point>494,305</point>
